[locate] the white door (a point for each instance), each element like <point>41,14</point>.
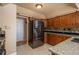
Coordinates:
<point>20,29</point>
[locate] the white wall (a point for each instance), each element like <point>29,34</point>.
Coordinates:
<point>1,16</point>
<point>9,17</point>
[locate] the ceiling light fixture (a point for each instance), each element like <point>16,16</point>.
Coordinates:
<point>38,6</point>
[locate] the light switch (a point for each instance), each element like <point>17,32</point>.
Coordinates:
<point>7,27</point>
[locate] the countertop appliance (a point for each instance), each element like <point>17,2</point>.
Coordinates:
<point>36,33</point>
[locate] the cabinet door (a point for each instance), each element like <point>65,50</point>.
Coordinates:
<point>67,21</point>
<point>77,20</point>
<point>63,21</point>
<point>49,23</point>
<point>45,23</point>
<point>71,19</point>
<point>53,23</point>
<point>45,37</point>
<point>56,22</point>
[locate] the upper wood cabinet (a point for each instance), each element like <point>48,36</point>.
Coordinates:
<point>57,22</point>
<point>72,18</point>
<point>45,22</point>
<point>77,20</point>
<point>54,23</point>
<point>65,21</point>
<point>49,23</point>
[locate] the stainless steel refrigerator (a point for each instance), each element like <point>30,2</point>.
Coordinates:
<point>36,33</point>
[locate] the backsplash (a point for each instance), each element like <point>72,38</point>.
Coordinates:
<point>65,29</point>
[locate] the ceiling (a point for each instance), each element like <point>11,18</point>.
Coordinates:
<point>51,9</point>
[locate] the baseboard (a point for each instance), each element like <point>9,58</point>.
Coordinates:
<point>14,53</point>
<point>21,42</point>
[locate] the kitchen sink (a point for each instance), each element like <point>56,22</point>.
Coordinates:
<point>75,40</point>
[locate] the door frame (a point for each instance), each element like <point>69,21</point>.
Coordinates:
<point>24,41</point>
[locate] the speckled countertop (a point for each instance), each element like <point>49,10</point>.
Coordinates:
<point>66,47</point>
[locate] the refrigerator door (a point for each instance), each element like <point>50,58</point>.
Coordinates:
<point>36,33</point>
<point>40,29</point>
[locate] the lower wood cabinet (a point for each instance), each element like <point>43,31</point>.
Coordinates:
<point>55,39</point>
<point>45,37</point>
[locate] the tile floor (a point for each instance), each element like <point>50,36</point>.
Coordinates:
<point>27,50</point>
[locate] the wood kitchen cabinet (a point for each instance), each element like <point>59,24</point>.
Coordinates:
<point>77,20</point>
<point>71,19</point>
<point>68,21</point>
<point>56,22</point>
<point>65,21</point>
<point>49,25</point>
<point>54,39</point>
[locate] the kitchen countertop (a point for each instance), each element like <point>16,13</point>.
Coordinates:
<point>66,47</point>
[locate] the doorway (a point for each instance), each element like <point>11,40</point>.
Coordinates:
<point>21,31</point>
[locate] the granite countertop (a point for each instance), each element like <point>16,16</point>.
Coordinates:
<point>66,47</point>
